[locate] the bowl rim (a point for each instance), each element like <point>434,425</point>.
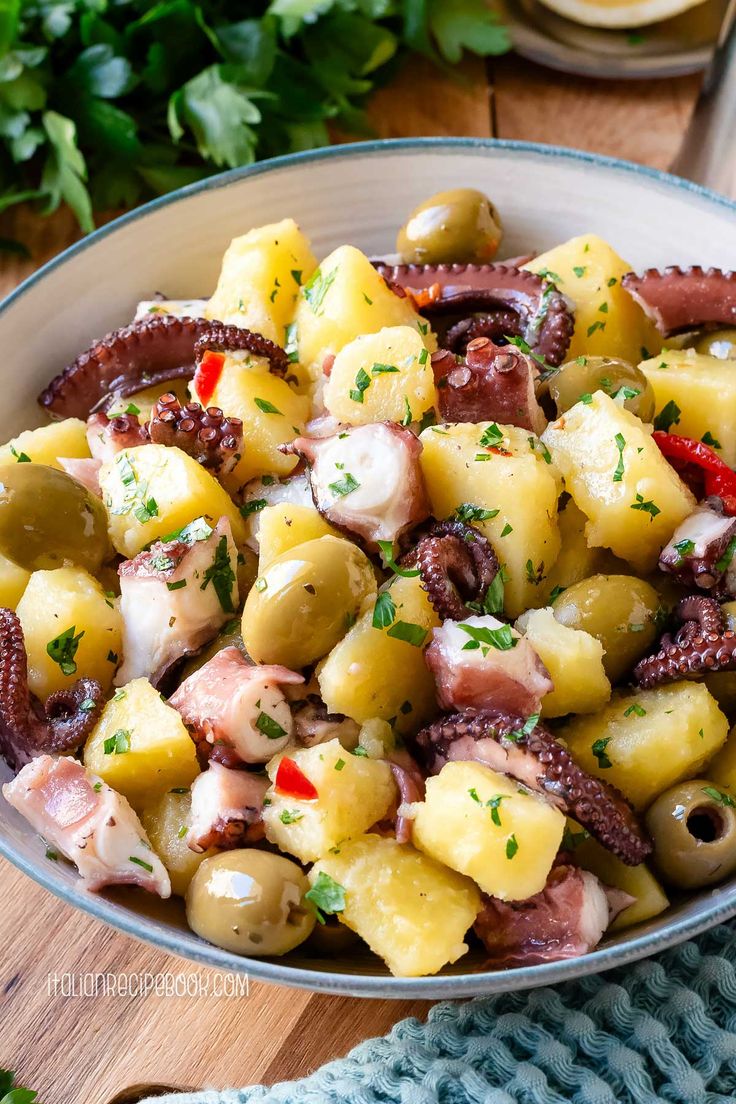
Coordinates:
<point>723,905</point>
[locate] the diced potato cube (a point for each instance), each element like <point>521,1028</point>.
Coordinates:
<point>271,411</point>
<point>638,881</point>
<point>722,768</point>
<point>45,445</point>
<point>154,490</point>
<point>284,526</point>
<point>577,560</point>
<point>166,822</point>
<point>381,377</point>
<point>345,298</point>
<point>354,793</point>
<point>645,742</point>
<point>409,909</point>
<point>607,320</point>
<point>487,826</point>
<point>140,746</point>
<point>574,660</point>
<point>13,581</point>
<point>633,499</point>
<point>380,671</point>
<point>696,397</point>
<point>142,402</point>
<point>514,489</point>
<point>260,278</point>
<point>72,630</point>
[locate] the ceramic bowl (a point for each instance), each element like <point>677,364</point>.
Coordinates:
<point>357,194</point>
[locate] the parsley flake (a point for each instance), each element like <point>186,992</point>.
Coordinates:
<point>63,648</point>
<point>327,896</point>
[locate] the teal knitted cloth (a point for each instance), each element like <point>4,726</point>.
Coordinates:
<point>662,1031</point>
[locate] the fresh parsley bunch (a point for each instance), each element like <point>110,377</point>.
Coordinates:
<point>104,103</point>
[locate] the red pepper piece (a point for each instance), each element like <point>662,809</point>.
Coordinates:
<point>719,479</point>
<point>207,375</point>
<point>291,781</point>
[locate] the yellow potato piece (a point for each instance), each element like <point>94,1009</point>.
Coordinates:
<point>382,377</point>
<point>638,881</point>
<point>483,824</point>
<point>284,526</point>
<point>645,742</point>
<point>514,486</point>
<point>71,629</point>
<point>140,746</point>
<point>697,396</point>
<point>166,822</point>
<point>722,768</point>
<point>633,499</point>
<point>45,445</point>
<point>13,581</point>
<point>409,909</point>
<point>260,278</point>
<point>607,320</point>
<point>574,660</point>
<point>154,490</point>
<point>354,794</point>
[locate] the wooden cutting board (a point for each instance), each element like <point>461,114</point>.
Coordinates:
<point>85,1050</point>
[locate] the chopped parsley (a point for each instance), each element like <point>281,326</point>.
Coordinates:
<point>620,445</point>
<point>555,593</point>
<point>383,369</point>
<point>118,743</point>
<point>291,347</point>
<point>340,763</point>
<point>270,727</point>
<point>387,552</point>
<point>344,486</point>
<point>141,862</point>
<point>526,729</point>
<point>466,511</point>
<point>362,383</point>
<point>63,648</point>
<point>599,750</point>
<point>493,597</point>
<point>492,435</point>
<point>512,847</point>
<point>409,633</point>
<point>221,575</point>
<point>725,561</point>
<point>597,325</point>
<point>668,416</point>
<point>579,270</point>
<point>327,896</point>
<point>316,288</point>
<point>88,705</point>
<point>507,529</point>
<point>571,840</point>
<point>710,440</point>
<point>484,638</point>
<point>534,574</point>
<point>179,584</point>
<point>493,803</point>
<point>253,507</point>
<point>290,818</point>
<point>683,549</point>
<point>407,419</point>
<point>20,457</point>
<point>635,708</point>
<point>197,530</point>
<point>647,507</point>
<point>296,275</point>
<point>719,796</point>
<point>136,499</point>
<point>384,611</point>
<point>266,406</point>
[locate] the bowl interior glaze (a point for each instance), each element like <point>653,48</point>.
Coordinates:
<point>358,194</point>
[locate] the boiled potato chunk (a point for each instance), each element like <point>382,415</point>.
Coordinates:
<point>638,881</point>
<point>409,909</point>
<point>618,477</point>
<point>381,377</point>
<point>140,746</point>
<point>510,482</point>
<point>380,671</point>
<point>574,660</point>
<point>72,630</point>
<point>260,278</point>
<point>354,793</point>
<point>483,824</point>
<point>154,490</point>
<point>345,298</point>
<point>577,560</point>
<point>696,397</point>
<point>645,742</point>
<point>45,445</point>
<point>271,412</point>
<point>13,581</point>
<point>284,525</point>
<point>607,320</point>
<point>722,769</point>
<point>166,823</point>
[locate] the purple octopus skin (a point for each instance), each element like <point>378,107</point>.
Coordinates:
<point>27,727</point>
<point>511,744</point>
<point>222,338</point>
<point>108,436</point>
<point>697,553</point>
<point>678,300</point>
<point>213,440</point>
<point>702,645</point>
<point>152,351</point>
<point>491,383</point>
<point>513,301</point>
<point>457,565</point>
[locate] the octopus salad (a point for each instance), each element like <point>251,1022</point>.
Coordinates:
<point>386,600</point>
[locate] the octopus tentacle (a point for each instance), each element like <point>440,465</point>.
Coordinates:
<point>223,338</point>
<point>494,383</point>
<point>532,755</point>
<point>513,301</point>
<point>459,335</point>
<point>457,565</point>
<point>701,645</point>
<point>27,727</point>
<point>679,299</point>
<point>212,439</point>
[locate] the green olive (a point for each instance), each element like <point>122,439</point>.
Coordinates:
<point>48,520</point>
<point>229,636</point>
<point>250,902</point>
<point>693,828</point>
<point>587,374</point>
<point>459,225</point>
<point>618,610</point>
<point>717,343</point>
<point>305,601</point>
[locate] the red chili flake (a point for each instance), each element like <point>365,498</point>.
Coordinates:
<point>207,375</point>
<point>291,781</point>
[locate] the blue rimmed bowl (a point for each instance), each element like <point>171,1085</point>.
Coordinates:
<point>358,194</point>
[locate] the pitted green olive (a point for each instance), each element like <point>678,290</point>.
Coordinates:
<point>250,902</point>
<point>459,225</point>
<point>305,601</point>
<point>48,520</point>
<point>618,378</point>
<point>717,343</point>
<point>693,828</point>
<point>618,610</point>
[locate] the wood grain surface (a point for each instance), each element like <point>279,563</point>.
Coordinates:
<point>85,1050</point>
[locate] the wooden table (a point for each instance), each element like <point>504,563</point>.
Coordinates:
<point>83,1050</point>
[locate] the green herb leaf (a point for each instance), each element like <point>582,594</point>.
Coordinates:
<point>327,896</point>
<point>63,648</point>
<point>253,507</point>
<point>647,507</point>
<point>387,552</point>
<point>512,847</point>
<point>480,636</point>
<point>620,445</point>
<point>290,818</point>
<point>668,416</point>
<point>344,486</point>
<point>266,406</point>
<point>599,751</point>
<point>719,796</point>
<point>466,511</point>
<point>220,573</point>
<point>118,743</point>
<point>384,611</point>
<point>409,633</point>
<point>270,727</point>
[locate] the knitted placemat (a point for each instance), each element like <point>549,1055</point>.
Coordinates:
<point>662,1031</point>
